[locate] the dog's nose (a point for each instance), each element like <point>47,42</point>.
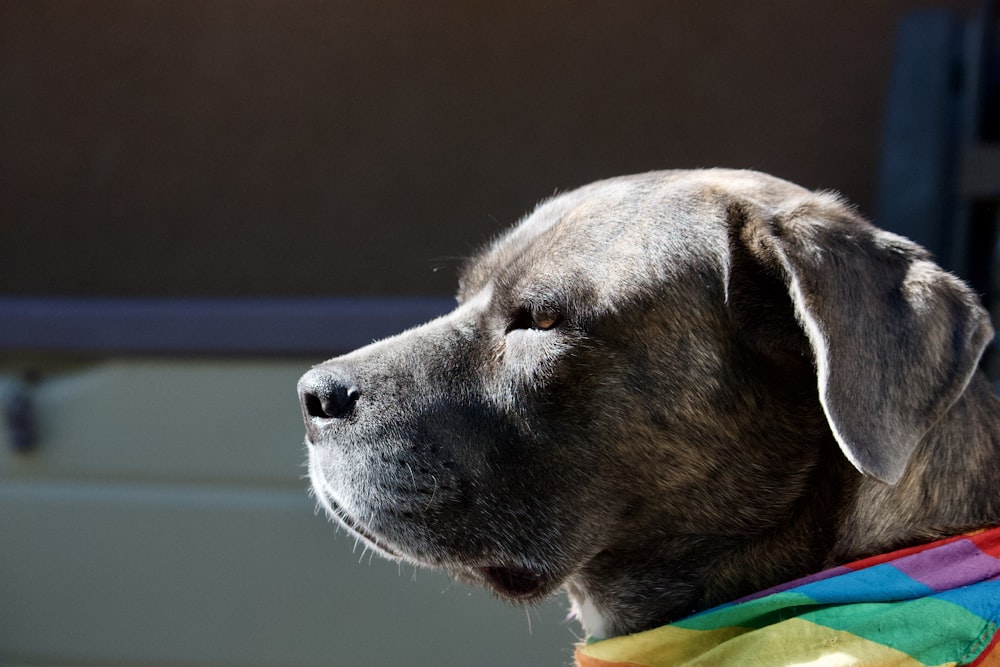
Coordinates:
<point>328,392</point>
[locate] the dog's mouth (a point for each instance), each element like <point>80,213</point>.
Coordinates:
<point>517,583</point>
<point>361,531</point>
<point>512,582</point>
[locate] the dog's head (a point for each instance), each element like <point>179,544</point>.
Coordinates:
<point>644,382</point>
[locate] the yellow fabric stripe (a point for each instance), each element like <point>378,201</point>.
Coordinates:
<point>791,643</point>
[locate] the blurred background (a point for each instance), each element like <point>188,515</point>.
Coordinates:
<point>199,200</point>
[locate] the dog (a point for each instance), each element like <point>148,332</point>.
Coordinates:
<point>664,392</point>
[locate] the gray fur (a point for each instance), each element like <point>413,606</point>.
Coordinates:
<point>652,393</point>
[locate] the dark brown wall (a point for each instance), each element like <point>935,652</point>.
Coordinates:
<point>228,148</point>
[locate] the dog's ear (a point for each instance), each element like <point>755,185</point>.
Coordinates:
<point>895,339</point>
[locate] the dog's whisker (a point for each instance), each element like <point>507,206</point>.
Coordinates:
<point>433,493</point>
<point>448,587</point>
<point>413,479</point>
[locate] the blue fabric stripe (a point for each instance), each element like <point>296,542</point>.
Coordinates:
<point>879,583</point>
<point>982,599</point>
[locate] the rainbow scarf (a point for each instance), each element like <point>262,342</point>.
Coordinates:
<point>934,604</point>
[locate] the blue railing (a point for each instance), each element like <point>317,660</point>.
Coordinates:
<point>280,326</point>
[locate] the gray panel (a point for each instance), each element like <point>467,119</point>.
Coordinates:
<point>127,574</point>
<point>212,421</point>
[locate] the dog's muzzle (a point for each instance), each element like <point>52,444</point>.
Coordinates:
<point>327,393</point>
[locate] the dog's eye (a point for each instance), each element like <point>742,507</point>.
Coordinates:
<point>544,319</point>
<point>541,318</point>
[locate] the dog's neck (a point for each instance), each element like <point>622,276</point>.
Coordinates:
<point>871,517</point>
<point>627,588</point>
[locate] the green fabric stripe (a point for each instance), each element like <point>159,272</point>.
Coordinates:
<point>931,630</point>
<point>754,614</point>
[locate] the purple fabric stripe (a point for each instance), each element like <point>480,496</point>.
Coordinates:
<point>939,568</point>
<point>948,566</point>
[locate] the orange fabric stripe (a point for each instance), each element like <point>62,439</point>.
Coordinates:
<point>590,661</point>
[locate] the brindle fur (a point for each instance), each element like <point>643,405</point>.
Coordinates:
<point>727,346</point>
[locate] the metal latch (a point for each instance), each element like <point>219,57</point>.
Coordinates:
<point>20,415</point>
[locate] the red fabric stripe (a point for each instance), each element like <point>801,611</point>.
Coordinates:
<point>894,555</point>
<point>988,541</point>
<point>990,657</point>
